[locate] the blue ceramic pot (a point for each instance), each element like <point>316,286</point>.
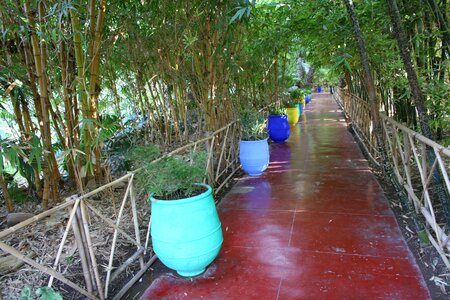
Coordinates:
<point>308,98</point>
<point>186,233</point>
<point>254,156</point>
<point>278,128</point>
<point>319,89</point>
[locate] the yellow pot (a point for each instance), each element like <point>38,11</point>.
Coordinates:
<point>292,113</point>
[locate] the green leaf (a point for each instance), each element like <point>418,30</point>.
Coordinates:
<point>238,14</point>
<point>47,293</point>
<point>25,294</point>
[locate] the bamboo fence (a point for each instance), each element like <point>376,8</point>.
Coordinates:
<point>413,170</point>
<point>223,152</point>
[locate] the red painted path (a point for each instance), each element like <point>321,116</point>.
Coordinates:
<point>316,225</point>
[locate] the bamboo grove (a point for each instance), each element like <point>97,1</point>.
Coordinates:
<point>73,73</point>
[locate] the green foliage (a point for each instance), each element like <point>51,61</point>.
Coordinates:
<point>42,293</point>
<point>242,11</point>
<point>438,103</point>
<point>173,176</point>
<point>22,157</point>
<point>297,94</point>
<point>277,111</point>
<point>253,126</point>
<point>18,194</point>
<point>290,104</point>
<point>142,155</point>
<point>110,124</point>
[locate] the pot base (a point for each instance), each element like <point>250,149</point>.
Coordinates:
<point>191,274</point>
<point>255,174</point>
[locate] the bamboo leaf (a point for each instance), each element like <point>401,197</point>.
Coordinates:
<point>238,15</point>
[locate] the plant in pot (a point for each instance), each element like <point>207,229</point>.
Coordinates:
<point>277,125</point>
<point>186,231</point>
<point>298,97</point>
<point>308,94</point>
<point>292,112</point>
<point>253,147</point>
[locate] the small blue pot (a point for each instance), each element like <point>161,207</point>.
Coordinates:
<point>278,128</point>
<point>254,156</point>
<point>186,233</point>
<point>308,98</point>
<point>319,89</point>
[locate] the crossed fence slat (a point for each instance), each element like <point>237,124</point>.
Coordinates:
<point>407,154</point>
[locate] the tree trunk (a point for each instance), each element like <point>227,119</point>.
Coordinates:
<point>36,97</point>
<point>38,52</point>
<point>6,196</point>
<point>368,78</point>
<point>94,88</point>
<point>66,79</point>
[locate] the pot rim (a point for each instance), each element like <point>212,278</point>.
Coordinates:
<point>184,200</point>
<point>253,141</point>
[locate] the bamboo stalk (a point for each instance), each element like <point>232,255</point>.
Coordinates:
<point>208,163</point>
<point>433,167</point>
<point>221,153</point>
<point>441,253</point>
<point>424,181</point>
<point>8,201</point>
<point>63,240</point>
<point>216,191</point>
<point>424,158</point>
<point>84,217</point>
<point>126,263</point>
<point>85,246</point>
<point>407,163</point>
<point>79,238</point>
<point>44,269</point>
<point>147,238</point>
<point>113,246</point>
<point>110,222</point>
<point>104,187</point>
<point>443,169</point>
<point>437,229</point>
<point>418,136</point>
<point>134,279</point>
<point>36,218</point>
<point>135,222</point>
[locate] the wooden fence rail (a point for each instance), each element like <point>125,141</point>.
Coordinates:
<point>80,210</point>
<point>413,169</point>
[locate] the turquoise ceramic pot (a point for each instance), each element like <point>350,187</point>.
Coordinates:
<point>186,233</point>
<point>300,108</point>
<point>254,156</point>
